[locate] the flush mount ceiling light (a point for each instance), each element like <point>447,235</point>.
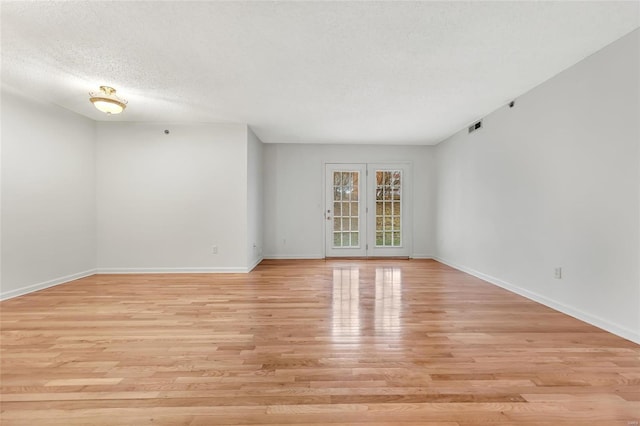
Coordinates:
<point>106,100</point>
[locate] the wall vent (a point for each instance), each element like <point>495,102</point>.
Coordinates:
<point>475,126</point>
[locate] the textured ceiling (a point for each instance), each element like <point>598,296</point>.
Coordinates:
<point>335,72</point>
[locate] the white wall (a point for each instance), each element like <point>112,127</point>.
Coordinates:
<point>255,199</point>
<point>48,195</point>
<point>164,200</point>
<point>554,182</point>
<point>294,194</point>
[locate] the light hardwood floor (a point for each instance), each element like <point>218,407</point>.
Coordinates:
<point>308,342</point>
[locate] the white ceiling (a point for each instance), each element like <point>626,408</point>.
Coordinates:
<point>304,72</point>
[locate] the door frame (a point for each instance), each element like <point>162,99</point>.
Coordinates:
<point>407,206</point>
<point>406,210</point>
<point>329,212</point>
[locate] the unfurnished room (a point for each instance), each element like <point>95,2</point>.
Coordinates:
<point>320,213</point>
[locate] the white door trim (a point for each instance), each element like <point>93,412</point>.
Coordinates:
<point>347,209</point>
<point>368,222</point>
<point>406,210</point>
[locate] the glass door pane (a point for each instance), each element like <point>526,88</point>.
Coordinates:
<point>388,208</point>
<point>346,232</point>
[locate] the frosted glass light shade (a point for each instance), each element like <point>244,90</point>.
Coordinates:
<point>108,106</point>
<point>107,101</point>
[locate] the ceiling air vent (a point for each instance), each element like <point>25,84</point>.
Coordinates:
<point>475,126</point>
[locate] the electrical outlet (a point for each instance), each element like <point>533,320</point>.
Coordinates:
<point>214,249</point>
<point>557,273</point>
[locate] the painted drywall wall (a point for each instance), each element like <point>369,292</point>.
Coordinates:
<point>255,199</point>
<point>553,182</point>
<point>294,194</point>
<point>165,200</point>
<point>48,195</point>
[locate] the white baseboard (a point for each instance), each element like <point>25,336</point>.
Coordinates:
<point>256,263</point>
<point>45,284</point>
<point>293,256</point>
<point>316,256</point>
<point>606,325</point>
<point>189,270</point>
<point>422,256</point>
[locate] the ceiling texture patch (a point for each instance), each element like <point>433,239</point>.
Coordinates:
<point>303,72</point>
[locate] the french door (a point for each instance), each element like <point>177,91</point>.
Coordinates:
<point>367,210</point>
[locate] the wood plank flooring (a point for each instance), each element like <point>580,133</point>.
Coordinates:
<point>384,342</point>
